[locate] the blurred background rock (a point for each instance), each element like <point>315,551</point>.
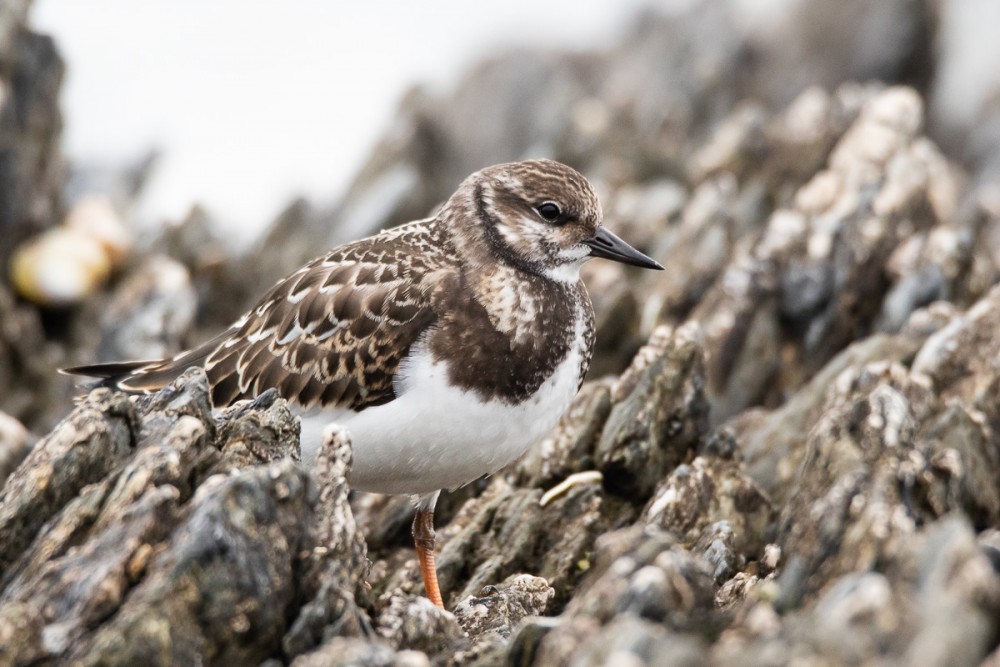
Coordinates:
<point>801,460</point>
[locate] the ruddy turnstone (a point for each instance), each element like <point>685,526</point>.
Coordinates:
<point>446,346</point>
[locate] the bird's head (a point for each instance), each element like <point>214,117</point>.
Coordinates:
<point>542,217</point>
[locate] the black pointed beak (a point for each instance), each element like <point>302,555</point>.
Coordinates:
<point>605,244</point>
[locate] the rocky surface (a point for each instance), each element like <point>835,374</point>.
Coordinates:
<point>788,450</point>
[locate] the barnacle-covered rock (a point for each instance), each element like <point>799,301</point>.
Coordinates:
<point>711,490</point>
<point>88,445</point>
<point>658,416</point>
<point>336,567</point>
<point>221,585</point>
<point>497,610</point>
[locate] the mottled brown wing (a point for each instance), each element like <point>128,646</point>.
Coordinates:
<point>331,334</point>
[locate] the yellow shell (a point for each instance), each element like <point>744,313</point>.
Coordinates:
<point>60,267</point>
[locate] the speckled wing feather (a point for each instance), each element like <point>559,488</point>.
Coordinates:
<point>332,334</point>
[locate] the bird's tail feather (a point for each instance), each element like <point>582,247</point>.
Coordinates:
<point>144,376</point>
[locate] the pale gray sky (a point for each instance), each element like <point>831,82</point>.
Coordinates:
<point>228,88</point>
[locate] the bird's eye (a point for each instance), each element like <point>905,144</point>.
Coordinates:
<point>549,210</point>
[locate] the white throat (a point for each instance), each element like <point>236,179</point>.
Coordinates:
<point>568,272</point>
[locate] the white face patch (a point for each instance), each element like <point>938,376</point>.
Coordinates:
<point>509,198</point>
<point>510,235</point>
<point>571,259</point>
<point>574,253</point>
<point>566,273</point>
<point>525,236</point>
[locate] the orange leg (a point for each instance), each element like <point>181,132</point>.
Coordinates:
<point>423,539</point>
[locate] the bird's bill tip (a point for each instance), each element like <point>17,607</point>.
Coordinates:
<point>606,244</point>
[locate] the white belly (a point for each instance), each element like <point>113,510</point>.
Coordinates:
<point>434,436</point>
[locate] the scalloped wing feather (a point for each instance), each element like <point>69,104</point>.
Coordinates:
<point>332,334</point>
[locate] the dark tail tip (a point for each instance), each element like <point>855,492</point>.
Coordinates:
<point>110,374</point>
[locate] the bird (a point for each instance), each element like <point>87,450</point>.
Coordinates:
<point>446,347</point>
